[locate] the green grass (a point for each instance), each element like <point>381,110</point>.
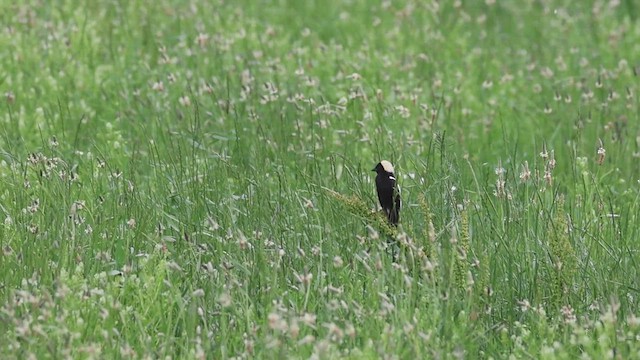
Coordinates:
<point>192,179</point>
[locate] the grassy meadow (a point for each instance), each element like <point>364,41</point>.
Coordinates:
<point>192,179</point>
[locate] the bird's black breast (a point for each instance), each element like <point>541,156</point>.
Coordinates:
<point>385,185</point>
<point>388,196</point>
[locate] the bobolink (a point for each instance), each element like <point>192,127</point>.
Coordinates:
<point>388,191</point>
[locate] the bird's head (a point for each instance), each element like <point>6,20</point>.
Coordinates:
<point>383,167</point>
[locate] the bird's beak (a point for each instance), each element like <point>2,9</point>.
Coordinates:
<point>373,169</point>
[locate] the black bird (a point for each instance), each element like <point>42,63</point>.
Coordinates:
<point>388,191</point>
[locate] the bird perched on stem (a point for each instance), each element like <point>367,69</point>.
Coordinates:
<point>388,191</point>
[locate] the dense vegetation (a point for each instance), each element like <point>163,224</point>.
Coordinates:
<point>192,179</point>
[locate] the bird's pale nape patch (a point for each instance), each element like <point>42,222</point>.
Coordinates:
<point>387,166</point>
